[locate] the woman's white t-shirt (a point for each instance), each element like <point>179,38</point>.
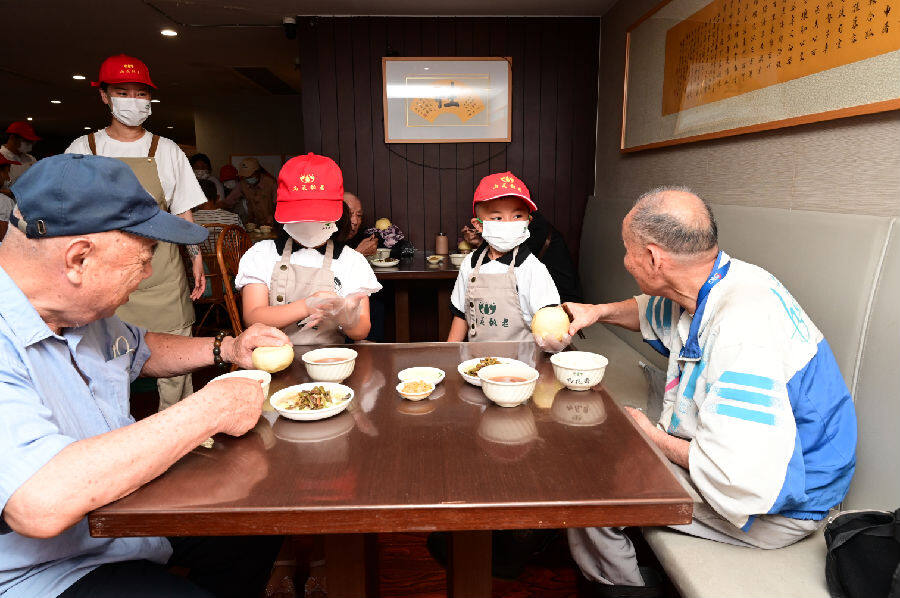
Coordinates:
<point>179,184</point>
<point>351,269</point>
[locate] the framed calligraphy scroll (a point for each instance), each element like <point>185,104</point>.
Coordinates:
<point>446,100</point>
<point>698,70</point>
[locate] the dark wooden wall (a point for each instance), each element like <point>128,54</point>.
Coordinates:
<point>427,188</point>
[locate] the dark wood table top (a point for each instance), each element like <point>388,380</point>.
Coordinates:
<point>451,462</point>
<point>416,268</point>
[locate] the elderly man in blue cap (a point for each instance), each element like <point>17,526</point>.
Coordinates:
<point>80,241</point>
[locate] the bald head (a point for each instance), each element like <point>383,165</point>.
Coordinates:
<point>675,219</point>
<point>356,212</point>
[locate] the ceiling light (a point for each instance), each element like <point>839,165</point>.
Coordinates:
<point>171,127</point>
<point>169,32</point>
<point>29,118</point>
<point>78,77</point>
<point>56,101</point>
<point>427,68</point>
<point>155,101</point>
<point>87,128</point>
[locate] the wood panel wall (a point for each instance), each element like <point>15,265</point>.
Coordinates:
<point>427,188</point>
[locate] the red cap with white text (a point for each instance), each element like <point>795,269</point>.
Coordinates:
<point>310,189</point>
<point>503,184</point>
<point>123,69</point>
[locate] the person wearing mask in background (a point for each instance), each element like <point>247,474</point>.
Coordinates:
<point>364,244</point>
<point>283,285</point>
<point>501,285</point>
<point>257,189</point>
<point>203,171</point>
<point>208,213</point>
<point>546,244</point>
<point>162,302</point>
<point>6,202</point>
<point>228,174</point>
<point>17,149</point>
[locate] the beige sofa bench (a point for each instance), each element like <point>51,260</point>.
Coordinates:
<point>845,271</point>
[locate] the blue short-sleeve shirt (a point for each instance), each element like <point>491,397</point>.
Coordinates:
<point>56,390</point>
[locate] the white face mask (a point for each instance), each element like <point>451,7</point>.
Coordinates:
<point>230,184</point>
<point>25,147</point>
<point>130,111</point>
<point>311,234</point>
<point>201,174</point>
<point>504,236</point>
<point>251,180</point>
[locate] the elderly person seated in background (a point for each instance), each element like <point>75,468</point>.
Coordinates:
<point>755,409</point>
<point>68,444</point>
<point>358,240</point>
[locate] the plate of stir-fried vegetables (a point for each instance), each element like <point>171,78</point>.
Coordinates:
<point>312,401</point>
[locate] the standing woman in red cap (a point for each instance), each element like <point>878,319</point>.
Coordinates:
<point>17,149</point>
<point>308,270</point>
<point>161,303</point>
<point>6,202</point>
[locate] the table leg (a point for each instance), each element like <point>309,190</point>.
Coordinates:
<point>444,316</point>
<point>401,311</point>
<point>351,565</point>
<point>469,565</point>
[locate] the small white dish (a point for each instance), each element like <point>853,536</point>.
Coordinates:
<point>265,229</point>
<point>385,263</point>
<point>264,377</point>
<point>311,414</point>
<point>457,259</point>
<point>470,363</point>
<point>415,396</point>
<point>338,370</point>
<point>579,370</point>
<point>508,393</point>
<point>427,374</point>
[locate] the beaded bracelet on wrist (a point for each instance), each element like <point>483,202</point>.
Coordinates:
<point>217,349</point>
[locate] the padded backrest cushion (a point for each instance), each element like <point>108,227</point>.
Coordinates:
<point>876,484</point>
<point>827,261</point>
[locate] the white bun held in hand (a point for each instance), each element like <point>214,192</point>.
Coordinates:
<point>272,359</point>
<point>310,234</point>
<point>550,322</point>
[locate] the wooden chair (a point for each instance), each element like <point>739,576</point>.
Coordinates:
<point>232,243</point>
<point>214,299</point>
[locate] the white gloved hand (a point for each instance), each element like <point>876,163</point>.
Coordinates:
<point>349,314</point>
<point>321,307</point>
<point>551,344</point>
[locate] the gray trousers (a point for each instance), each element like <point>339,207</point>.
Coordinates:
<point>606,554</point>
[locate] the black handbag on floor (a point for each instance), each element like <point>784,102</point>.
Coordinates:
<point>863,559</point>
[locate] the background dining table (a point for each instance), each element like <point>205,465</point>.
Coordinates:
<point>453,462</point>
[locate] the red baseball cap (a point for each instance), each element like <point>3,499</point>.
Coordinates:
<point>123,69</point>
<point>23,130</point>
<point>4,161</point>
<point>503,184</point>
<point>310,189</point>
<point>228,173</point>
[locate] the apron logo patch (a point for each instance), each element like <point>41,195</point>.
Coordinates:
<point>337,283</point>
<point>487,308</point>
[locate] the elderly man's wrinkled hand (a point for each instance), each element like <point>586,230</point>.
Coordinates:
<point>259,335</point>
<point>551,344</point>
<point>368,246</point>
<point>581,314</point>
<point>642,421</point>
<point>235,403</point>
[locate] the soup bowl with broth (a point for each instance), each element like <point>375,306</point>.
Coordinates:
<point>508,384</point>
<point>334,364</point>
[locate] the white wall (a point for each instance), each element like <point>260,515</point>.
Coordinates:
<point>248,124</point>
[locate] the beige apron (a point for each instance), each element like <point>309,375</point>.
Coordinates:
<point>291,283</point>
<point>493,312</point>
<point>162,302</point>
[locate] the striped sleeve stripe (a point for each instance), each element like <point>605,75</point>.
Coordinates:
<point>745,396</point>
<point>749,415</point>
<point>691,385</point>
<point>744,379</point>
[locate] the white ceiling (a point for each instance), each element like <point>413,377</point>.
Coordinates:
<point>55,39</point>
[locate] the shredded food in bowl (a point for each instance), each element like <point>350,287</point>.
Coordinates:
<point>473,371</point>
<point>306,400</point>
<point>417,387</point>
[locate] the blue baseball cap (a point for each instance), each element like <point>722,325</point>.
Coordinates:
<point>74,194</point>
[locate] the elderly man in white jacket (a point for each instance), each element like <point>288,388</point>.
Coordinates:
<point>755,408</point>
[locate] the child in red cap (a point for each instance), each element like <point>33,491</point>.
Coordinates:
<point>501,285</point>
<point>308,282</point>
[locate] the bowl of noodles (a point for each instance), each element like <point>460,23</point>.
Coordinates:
<point>311,401</point>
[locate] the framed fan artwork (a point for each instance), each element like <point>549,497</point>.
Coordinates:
<point>446,99</point>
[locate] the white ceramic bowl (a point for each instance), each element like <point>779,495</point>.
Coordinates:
<point>508,394</point>
<point>385,263</point>
<point>427,374</point>
<point>579,370</point>
<point>311,414</point>
<point>415,396</point>
<point>336,371</point>
<point>457,258</point>
<point>469,363</point>
<point>264,377</point>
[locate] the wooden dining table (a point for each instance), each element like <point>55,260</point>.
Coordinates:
<point>416,273</point>
<point>453,462</point>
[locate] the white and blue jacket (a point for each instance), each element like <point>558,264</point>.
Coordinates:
<point>754,386</point>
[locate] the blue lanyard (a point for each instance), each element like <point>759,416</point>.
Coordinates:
<point>691,349</point>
